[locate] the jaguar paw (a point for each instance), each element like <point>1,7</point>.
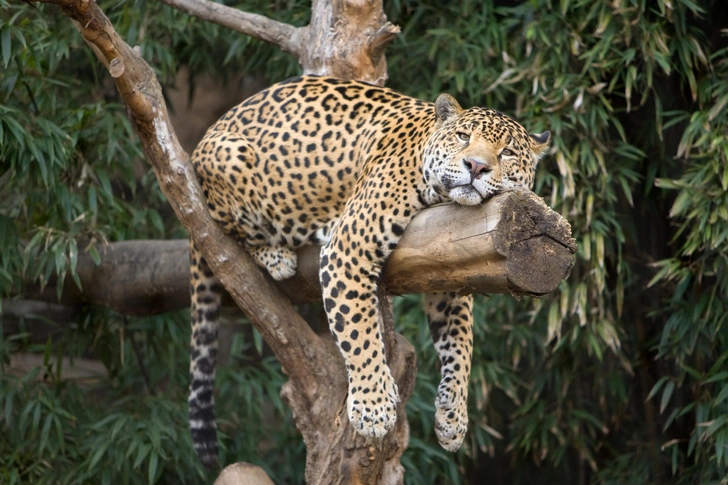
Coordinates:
<point>451,419</point>
<point>372,409</point>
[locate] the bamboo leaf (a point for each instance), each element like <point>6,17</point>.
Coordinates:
<point>666,395</point>
<point>153,463</point>
<point>656,388</point>
<point>720,376</point>
<point>5,44</point>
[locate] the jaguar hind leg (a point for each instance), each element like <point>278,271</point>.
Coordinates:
<point>281,262</point>
<point>451,325</point>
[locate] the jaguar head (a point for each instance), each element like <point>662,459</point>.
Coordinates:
<point>477,153</point>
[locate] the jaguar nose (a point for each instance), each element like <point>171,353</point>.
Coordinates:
<point>476,167</point>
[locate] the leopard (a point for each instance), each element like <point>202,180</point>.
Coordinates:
<point>347,165</point>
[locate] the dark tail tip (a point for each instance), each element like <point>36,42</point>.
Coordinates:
<point>205,441</point>
<point>202,427</point>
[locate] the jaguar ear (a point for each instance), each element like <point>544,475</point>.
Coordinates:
<point>540,142</point>
<point>446,108</point>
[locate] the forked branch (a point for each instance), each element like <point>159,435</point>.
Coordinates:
<point>345,39</point>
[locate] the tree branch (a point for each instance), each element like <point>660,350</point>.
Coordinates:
<point>380,39</point>
<point>285,36</point>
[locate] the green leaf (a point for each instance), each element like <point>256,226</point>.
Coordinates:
<point>720,376</point>
<point>666,395</point>
<point>257,341</point>
<point>96,456</point>
<point>45,432</point>
<point>93,201</point>
<point>5,45</point>
<point>94,255</point>
<point>682,202</point>
<point>670,419</point>
<point>656,388</point>
<point>156,220</point>
<point>153,462</point>
<point>627,191</point>
<point>715,425</point>
<point>142,454</point>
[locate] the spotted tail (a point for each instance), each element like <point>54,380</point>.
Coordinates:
<point>205,293</point>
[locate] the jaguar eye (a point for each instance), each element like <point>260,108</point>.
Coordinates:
<point>506,152</point>
<point>463,137</point>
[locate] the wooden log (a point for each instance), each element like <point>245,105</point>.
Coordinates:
<point>243,473</point>
<point>514,243</point>
<point>135,278</point>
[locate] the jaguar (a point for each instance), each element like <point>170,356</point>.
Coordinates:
<point>347,165</point>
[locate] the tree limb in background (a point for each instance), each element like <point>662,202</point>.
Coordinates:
<point>345,39</point>
<point>285,36</point>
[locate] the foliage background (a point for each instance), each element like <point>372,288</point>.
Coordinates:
<point>619,378</point>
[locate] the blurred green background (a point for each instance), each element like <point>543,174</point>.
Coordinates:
<point>618,378</point>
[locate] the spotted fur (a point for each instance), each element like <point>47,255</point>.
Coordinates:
<point>347,165</point>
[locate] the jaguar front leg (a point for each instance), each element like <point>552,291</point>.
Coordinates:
<point>350,267</point>
<point>351,304</point>
<point>451,325</point>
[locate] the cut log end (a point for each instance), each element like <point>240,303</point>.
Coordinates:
<point>536,242</point>
<point>514,243</point>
